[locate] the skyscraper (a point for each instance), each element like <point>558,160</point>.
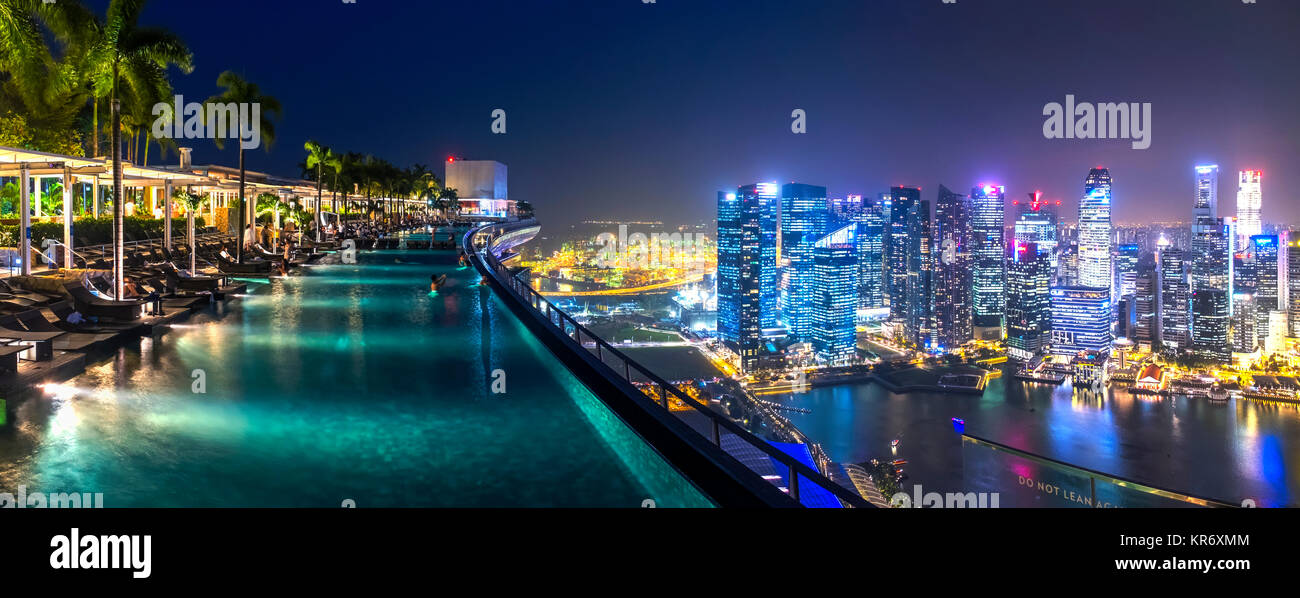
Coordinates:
<point>1209,273</point>
<point>1249,202</point>
<point>916,323</point>
<point>1029,304</point>
<point>803,222</point>
<point>1126,268</point>
<point>871,242</point>
<point>1146,302</point>
<point>739,271</point>
<point>1095,230</point>
<point>951,279</point>
<point>1036,222</point>
<point>1293,286</point>
<point>1206,203</point>
<point>1265,250</point>
<point>769,204</point>
<point>1242,335</point>
<point>1081,320</point>
<point>834,302</point>
<point>1174,297</point>
<point>1210,314</point>
<point>988,252</point>
<point>901,202</point>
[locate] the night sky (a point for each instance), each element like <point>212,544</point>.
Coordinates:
<point>619,109</point>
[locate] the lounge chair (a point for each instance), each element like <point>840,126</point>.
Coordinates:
<point>42,343</point>
<point>189,283</point>
<point>35,321</point>
<point>255,267</point>
<point>90,305</point>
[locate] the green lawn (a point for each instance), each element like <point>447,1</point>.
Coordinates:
<point>673,363</point>
<point>616,333</point>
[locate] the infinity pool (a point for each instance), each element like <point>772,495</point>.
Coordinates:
<point>345,383</point>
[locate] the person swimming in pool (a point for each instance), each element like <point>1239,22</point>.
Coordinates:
<point>436,282</point>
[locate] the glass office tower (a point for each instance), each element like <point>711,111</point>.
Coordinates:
<point>803,221</point>
<point>1095,231</point>
<point>740,272</point>
<point>834,302</point>
<point>988,253</point>
<point>1081,320</point>
<point>1029,307</point>
<point>951,316</point>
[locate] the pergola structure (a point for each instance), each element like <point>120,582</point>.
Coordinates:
<point>157,184</point>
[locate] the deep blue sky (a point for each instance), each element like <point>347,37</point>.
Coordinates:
<point>623,110</point>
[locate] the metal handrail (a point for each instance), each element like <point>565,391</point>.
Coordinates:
<point>58,243</point>
<point>718,422</point>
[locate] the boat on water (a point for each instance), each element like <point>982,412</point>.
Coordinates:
<point>1218,393</point>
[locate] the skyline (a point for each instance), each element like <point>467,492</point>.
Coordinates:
<point>637,105</point>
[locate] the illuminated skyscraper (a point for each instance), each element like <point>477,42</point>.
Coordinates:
<point>1249,202</point>
<point>1206,203</point>
<point>1242,334</point>
<point>803,222</point>
<point>951,280</point>
<point>1210,315</point>
<point>1126,268</point>
<point>1095,230</point>
<point>1264,249</point>
<point>739,271</point>
<point>833,297</point>
<point>988,253</point>
<point>1146,306</point>
<point>1293,286</point>
<point>769,204</point>
<point>902,200</point>
<point>1209,270</point>
<point>916,322</point>
<point>1029,303</point>
<point>1081,320</point>
<point>871,241</point>
<point>1174,297</point>
<point>1036,222</point>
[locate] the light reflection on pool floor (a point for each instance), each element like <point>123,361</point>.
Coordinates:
<point>348,382</point>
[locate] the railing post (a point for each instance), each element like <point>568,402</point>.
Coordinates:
<point>717,438</point>
<point>794,482</point>
<point>663,393</point>
<point>627,370</point>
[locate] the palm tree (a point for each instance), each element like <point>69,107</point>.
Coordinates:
<point>239,91</point>
<point>450,201</point>
<point>336,163</point>
<point>44,93</point>
<point>139,57</point>
<point>318,157</point>
<point>23,53</point>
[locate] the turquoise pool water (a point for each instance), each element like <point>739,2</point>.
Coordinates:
<point>349,382</point>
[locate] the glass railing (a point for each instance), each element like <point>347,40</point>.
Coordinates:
<point>801,482</point>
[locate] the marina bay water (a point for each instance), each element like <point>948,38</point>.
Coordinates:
<point>1237,450</point>
<point>349,382</point>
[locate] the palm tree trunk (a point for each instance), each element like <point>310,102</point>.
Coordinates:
<point>119,248</point>
<point>318,197</point>
<point>94,127</point>
<point>239,254</point>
